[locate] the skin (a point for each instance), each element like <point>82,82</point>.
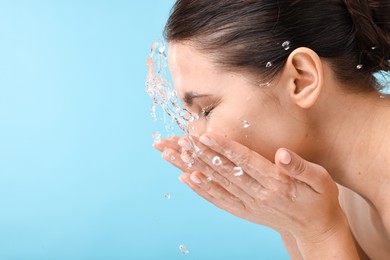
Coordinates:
<point>332,193</point>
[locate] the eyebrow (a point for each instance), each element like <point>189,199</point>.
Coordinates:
<point>190,96</point>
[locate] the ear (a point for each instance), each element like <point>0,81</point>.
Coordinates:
<point>305,72</point>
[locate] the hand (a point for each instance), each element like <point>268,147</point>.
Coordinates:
<point>290,195</point>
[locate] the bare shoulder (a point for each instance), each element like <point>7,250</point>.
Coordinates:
<point>370,227</point>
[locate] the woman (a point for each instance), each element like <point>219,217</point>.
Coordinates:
<point>294,133</point>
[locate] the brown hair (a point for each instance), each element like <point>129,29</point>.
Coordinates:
<point>253,34</point>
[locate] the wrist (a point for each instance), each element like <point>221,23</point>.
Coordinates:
<point>334,242</point>
<point>325,230</point>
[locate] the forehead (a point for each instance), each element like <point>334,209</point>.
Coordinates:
<point>192,70</point>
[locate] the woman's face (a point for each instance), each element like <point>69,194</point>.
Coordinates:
<point>230,104</point>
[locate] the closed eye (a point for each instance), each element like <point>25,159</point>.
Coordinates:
<point>207,110</point>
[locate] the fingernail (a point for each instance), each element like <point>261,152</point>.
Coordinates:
<point>195,179</point>
<point>205,140</point>
<point>185,157</point>
<point>184,144</point>
<point>285,157</point>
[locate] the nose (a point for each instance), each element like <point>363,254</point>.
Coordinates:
<point>197,128</point>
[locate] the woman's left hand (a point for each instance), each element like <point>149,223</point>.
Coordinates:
<point>291,195</point>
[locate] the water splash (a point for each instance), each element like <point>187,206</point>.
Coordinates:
<point>160,89</point>
<point>163,94</point>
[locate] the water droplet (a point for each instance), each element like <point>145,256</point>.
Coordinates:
<point>294,198</point>
<point>166,153</point>
<point>196,117</point>
<point>167,196</point>
<point>169,127</point>
<point>183,249</point>
<point>173,158</point>
<point>161,49</point>
<point>197,150</point>
<point>189,164</point>
<point>245,124</point>
<point>156,136</point>
<point>237,171</point>
<point>216,161</point>
<point>269,64</point>
<point>209,179</point>
<point>359,66</point>
<point>286,45</point>
<point>265,85</point>
<point>153,112</point>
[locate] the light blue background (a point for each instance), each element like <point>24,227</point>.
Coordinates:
<point>78,176</point>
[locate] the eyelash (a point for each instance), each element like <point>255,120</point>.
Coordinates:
<point>207,111</point>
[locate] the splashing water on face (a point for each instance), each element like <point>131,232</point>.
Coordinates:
<point>163,95</point>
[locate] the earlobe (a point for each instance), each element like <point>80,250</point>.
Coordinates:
<point>307,76</point>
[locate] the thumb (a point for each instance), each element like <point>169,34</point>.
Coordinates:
<point>294,166</point>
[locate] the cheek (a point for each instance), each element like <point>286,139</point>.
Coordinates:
<point>214,126</point>
<point>262,133</point>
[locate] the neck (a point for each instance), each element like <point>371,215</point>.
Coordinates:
<point>351,140</point>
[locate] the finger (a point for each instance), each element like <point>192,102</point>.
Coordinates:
<point>227,170</point>
<point>173,157</point>
<point>211,192</point>
<point>224,173</point>
<point>251,162</point>
<point>167,143</point>
<point>255,179</point>
<point>312,174</point>
<point>214,176</point>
